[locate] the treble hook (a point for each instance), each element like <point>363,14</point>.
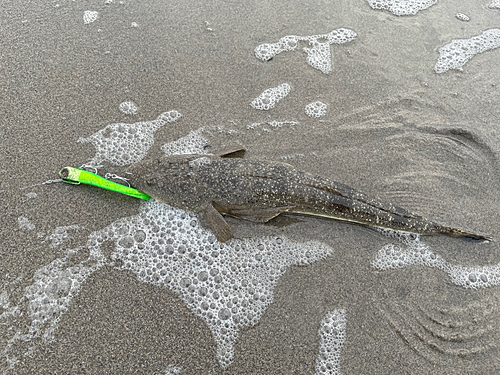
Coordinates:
<point>109,176</point>
<point>91,167</point>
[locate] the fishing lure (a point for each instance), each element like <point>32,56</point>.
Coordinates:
<point>78,176</point>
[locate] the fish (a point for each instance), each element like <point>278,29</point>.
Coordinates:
<point>226,183</point>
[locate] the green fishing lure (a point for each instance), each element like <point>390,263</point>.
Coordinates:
<point>76,176</point>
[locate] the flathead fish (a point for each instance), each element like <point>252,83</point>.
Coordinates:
<point>216,185</point>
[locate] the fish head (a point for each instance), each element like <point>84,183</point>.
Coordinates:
<point>171,179</point>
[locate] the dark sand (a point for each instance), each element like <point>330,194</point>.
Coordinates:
<point>394,129</point>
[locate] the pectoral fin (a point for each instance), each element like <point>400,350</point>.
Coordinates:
<point>259,215</point>
<point>219,227</point>
<point>233,150</point>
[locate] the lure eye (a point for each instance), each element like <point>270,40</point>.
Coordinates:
<point>64,173</point>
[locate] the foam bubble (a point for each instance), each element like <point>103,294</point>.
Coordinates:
<point>402,7</point>
<point>267,51</point>
<point>8,310</point>
<point>268,126</point>
<point>25,224</point>
<point>318,55</point>
<point>128,108</point>
<point>4,300</point>
<point>416,253</point>
<point>270,97</point>
<point>61,234</point>
<point>287,158</point>
<point>48,299</point>
<point>200,162</point>
<point>228,285</point>
<point>332,335</point>
<point>455,54</point>
<point>89,16</point>
<point>193,143</point>
<point>173,370</point>
<point>462,17</point>
<point>495,4</point>
<point>475,277</point>
<point>316,109</point>
<point>124,144</point>
<point>51,293</point>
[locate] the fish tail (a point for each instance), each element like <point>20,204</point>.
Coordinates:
<point>459,233</point>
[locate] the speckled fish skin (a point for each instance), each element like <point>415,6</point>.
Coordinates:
<point>258,191</point>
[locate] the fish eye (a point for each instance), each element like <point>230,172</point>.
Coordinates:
<point>64,173</point>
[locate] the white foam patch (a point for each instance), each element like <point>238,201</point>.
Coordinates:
<point>319,56</point>
<point>173,370</point>
<point>25,224</point>
<point>402,7</point>
<point>287,158</point>
<point>222,129</point>
<point>61,234</point>
<point>89,16</point>
<point>268,126</point>
<point>4,300</point>
<point>270,97</point>
<point>318,53</point>
<point>455,54</point>
<point>200,162</point>
<point>128,108</point>
<point>48,299</point>
<point>332,335</point>
<point>31,195</point>
<point>462,17</point>
<point>124,144</point>
<point>413,252</point>
<point>228,285</point>
<point>316,109</point>
<point>193,143</point>
<point>53,289</point>
<point>8,310</point>
<point>267,51</point>
<point>495,4</point>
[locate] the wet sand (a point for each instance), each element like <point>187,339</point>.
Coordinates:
<point>394,129</point>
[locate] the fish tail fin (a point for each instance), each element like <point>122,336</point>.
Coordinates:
<point>459,233</point>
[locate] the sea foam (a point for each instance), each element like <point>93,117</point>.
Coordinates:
<point>332,335</point>
<point>124,144</point>
<point>413,252</point>
<point>271,97</point>
<point>316,109</point>
<point>456,54</point>
<point>318,53</point>
<point>402,7</point>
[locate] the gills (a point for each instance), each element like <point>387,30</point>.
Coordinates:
<point>258,191</point>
